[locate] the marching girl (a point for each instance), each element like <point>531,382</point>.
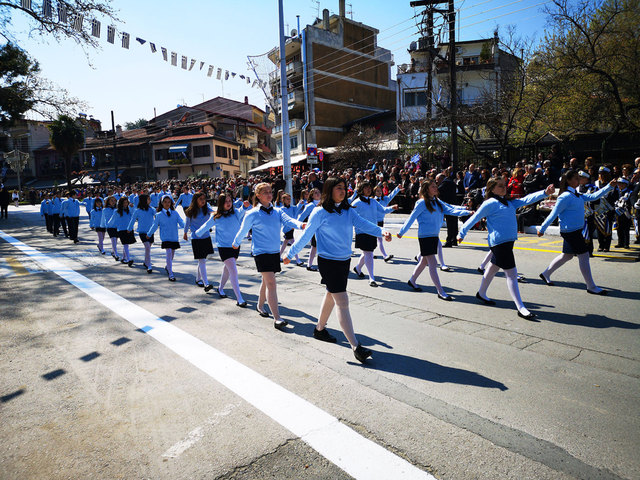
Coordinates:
<point>45,211</point>
<point>107,212</point>
<point>266,222</point>
<point>333,224</point>
<point>314,199</point>
<point>227,221</point>
<point>120,221</point>
<point>284,203</point>
<point>430,212</point>
<point>144,215</point>
<point>384,200</point>
<point>570,210</point>
<point>500,212</point>
<point>369,209</point>
<point>95,218</point>
<point>168,220</point>
<point>197,213</point>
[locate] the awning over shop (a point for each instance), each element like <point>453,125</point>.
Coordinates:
<point>278,163</point>
<point>179,148</point>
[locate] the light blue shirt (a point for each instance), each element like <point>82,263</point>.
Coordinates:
<point>194,224</point>
<point>45,207</point>
<point>266,229</point>
<point>144,218</point>
<point>107,213</point>
<point>56,204</point>
<point>570,209</point>
<point>168,225</point>
<point>227,227</point>
<point>120,222</point>
<point>184,200</point>
<point>370,211</point>
<point>429,223</point>
<point>306,211</point>
<point>95,217</point>
<point>292,211</point>
<point>334,233</point>
<point>385,200</point>
<point>70,208</point>
<point>501,219</point>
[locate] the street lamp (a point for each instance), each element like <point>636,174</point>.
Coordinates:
<point>17,160</point>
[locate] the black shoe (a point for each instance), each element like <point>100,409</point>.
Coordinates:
<point>618,246</point>
<point>130,263</point>
<point>116,258</point>
<point>361,353</point>
<point>355,269</point>
<point>200,283</point>
<point>323,336</point>
<point>531,316</point>
<point>486,301</point>
<point>149,270</point>
<point>241,305</point>
<point>480,270</point>
<point>522,279</point>
<point>280,324</point>
<point>172,279</point>
<point>447,245</point>
<point>372,283</point>
<point>448,298</point>
<point>546,281</point>
<point>604,293</point>
<point>123,261</point>
<point>415,287</point>
<point>221,295</point>
<point>208,287</point>
<point>445,268</point>
<point>76,241</point>
<point>313,268</point>
<point>387,258</point>
<point>416,258</point>
<point>261,313</point>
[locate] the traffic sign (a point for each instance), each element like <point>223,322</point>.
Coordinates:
<point>312,151</point>
<point>312,160</point>
<point>321,156</point>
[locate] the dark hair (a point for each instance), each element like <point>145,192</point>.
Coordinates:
<point>192,210</point>
<point>222,199</point>
<point>326,201</point>
<point>566,176</point>
<point>143,202</point>
<point>491,183</point>
<point>98,199</point>
<point>424,193</point>
<point>362,186</point>
<point>160,207</point>
<point>121,204</point>
<point>107,201</point>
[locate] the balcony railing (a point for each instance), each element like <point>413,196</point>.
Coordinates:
<point>294,124</point>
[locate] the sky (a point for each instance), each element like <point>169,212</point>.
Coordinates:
<point>222,33</point>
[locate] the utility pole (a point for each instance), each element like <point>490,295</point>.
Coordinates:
<point>115,158</point>
<point>284,106</point>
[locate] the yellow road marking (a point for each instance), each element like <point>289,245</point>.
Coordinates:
<point>17,267</point>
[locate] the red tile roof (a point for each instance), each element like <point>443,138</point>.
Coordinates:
<point>183,138</point>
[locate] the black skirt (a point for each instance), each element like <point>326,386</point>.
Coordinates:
<point>334,273</point>
<point>268,262</point>
<point>313,241</point>
<point>173,245</point>
<point>101,229</point>
<point>113,232</point>
<point>503,256</point>
<point>365,242</point>
<point>288,235</point>
<point>201,247</point>
<point>574,243</point>
<point>126,237</point>
<point>145,238</point>
<point>228,252</point>
<point>428,245</point>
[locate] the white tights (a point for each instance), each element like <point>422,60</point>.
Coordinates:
<point>284,246</point>
<point>201,273</point>
<point>344,315</point>
<point>585,268</point>
<point>487,259</point>
<point>125,252</point>
<point>381,247</point>
<point>512,285</point>
<point>429,260</point>
<point>147,254</point>
<point>114,246</point>
<point>230,272</point>
<point>312,256</point>
<point>101,241</point>
<point>440,256</point>
<point>269,292</point>
<point>169,253</point>
<point>366,259</point>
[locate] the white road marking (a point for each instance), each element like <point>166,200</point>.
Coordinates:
<point>358,456</point>
<point>195,435</point>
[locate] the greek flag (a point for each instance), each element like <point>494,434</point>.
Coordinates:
<point>415,158</point>
<point>93,160</point>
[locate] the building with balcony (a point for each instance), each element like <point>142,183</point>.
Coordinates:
<point>348,77</point>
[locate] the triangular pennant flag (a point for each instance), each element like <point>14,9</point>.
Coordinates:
<point>242,77</point>
<point>164,53</point>
<point>95,28</point>
<point>174,59</point>
<point>125,40</point>
<point>62,13</point>
<point>111,34</point>
<point>226,74</point>
<point>219,73</point>
<point>184,62</point>
<point>193,62</point>
<point>77,23</point>
<point>248,80</point>
<point>202,65</point>
<point>26,4</point>
<point>233,75</point>
<point>254,84</point>
<point>153,47</point>
<point>47,11</point>
<point>140,40</point>
<point>210,71</point>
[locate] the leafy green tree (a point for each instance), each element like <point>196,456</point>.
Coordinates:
<point>67,137</point>
<point>16,94</point>
<point>141,122</point>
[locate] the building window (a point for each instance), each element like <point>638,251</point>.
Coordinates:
<point>162,154</point>
<point>234,154</point>
<point>415,99</point>
<point>172,174</point>
<point>293,141</point>
<point>202,151</point>
<point>221,152</point>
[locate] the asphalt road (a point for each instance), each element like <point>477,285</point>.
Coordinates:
<point>454,389</point>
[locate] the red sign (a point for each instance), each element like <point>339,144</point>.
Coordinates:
<point>321,156</point>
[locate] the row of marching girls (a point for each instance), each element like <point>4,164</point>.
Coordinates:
<point>62,213</point>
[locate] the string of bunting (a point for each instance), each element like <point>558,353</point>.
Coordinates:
<point>66,15</point>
